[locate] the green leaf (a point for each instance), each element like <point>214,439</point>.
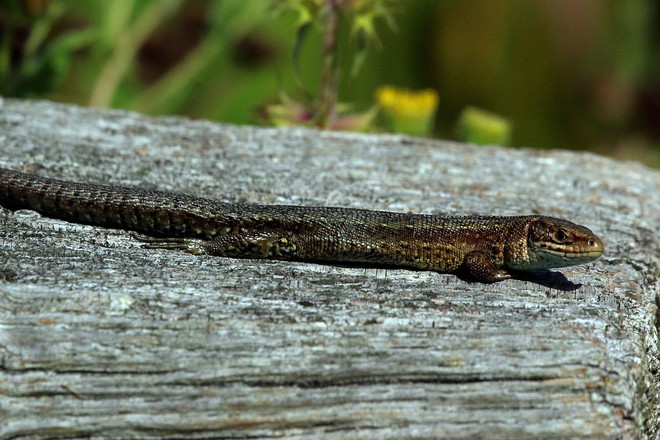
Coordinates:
<point>483,128</point>
<point>41,73</point>
<point>301,36</point>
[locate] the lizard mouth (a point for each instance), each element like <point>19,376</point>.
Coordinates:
<point>556,255</point>
<point>591,247</point>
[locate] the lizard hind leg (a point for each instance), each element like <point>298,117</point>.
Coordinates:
<point>270,245</point>
<point>264,244</point>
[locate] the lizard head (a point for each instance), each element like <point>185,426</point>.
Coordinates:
<point>553,242</point>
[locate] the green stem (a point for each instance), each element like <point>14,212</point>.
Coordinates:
<point>328,99</point>
<point>5,58</point>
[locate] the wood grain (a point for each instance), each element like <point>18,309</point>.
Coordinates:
<point>102,338</point>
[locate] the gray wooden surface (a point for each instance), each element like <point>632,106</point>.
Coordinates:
<point>102,338</point>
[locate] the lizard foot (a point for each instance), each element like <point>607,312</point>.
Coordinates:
<point>188,245</point>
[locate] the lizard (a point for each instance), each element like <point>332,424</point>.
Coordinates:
<point>485,248</point>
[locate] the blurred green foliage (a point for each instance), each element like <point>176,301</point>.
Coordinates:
<point>566,73</point>
<point>31,64</point>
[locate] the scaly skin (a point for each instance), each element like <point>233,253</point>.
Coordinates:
<point>487,248</point>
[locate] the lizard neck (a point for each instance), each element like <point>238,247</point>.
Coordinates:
<point>516,247</point>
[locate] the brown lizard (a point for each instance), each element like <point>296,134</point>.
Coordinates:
<point>487,248</point>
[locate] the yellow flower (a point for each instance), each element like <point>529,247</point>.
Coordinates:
<point>408,112</point>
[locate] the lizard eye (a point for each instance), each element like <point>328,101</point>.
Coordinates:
<point>560,236</point>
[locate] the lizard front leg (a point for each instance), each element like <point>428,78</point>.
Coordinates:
<point>480,267</point>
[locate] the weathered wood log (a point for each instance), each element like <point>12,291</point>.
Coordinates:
<point>101,337</point>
